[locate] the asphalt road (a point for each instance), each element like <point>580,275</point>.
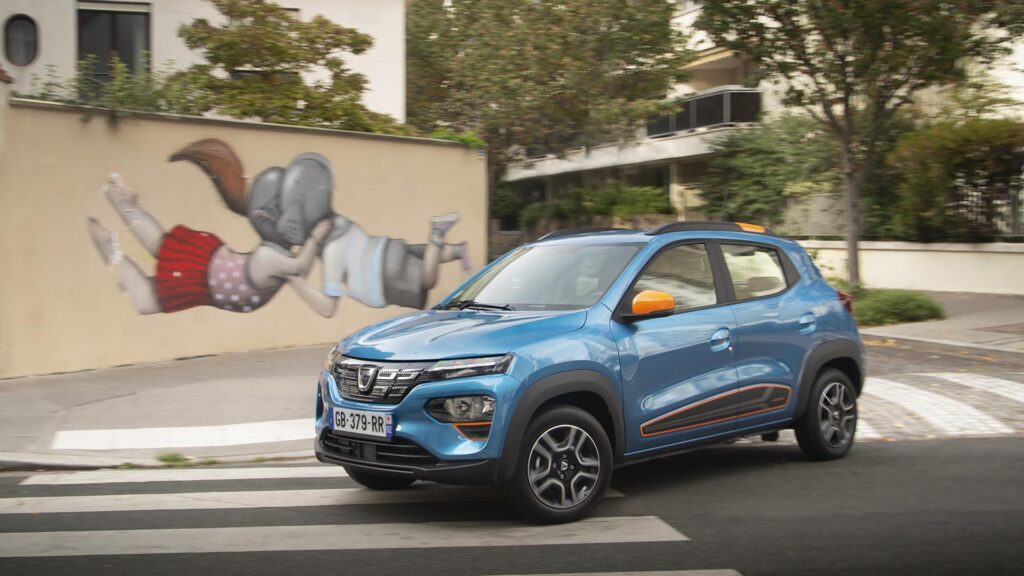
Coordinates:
<point>942,506</point>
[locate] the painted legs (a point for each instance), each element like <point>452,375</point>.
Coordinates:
<point>436,252</point>
<point>134,283</point>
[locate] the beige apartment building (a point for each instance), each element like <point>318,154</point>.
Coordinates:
<point>672,152</point>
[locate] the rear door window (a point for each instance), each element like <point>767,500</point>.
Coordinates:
<point>756,270</point>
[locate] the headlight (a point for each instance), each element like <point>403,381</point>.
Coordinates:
<point>462,409</point>
<point>333,357</point>
<point>463,367</point>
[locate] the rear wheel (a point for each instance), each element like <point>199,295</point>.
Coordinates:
<point>828,426</point>
<point>379,482</point>
<point>565,465</point>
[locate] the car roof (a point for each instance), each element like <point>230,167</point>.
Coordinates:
<point>670,231</point>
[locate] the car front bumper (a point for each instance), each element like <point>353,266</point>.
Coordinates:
<point>421,446</point>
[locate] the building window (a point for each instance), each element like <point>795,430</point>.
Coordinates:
<point>21,40</point>
<point>106,30</point>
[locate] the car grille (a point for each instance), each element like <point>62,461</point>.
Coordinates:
<point>391,381</point>
<point>397,451</point>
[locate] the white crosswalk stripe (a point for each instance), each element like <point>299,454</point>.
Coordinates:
<point>184,475</point>
<point>337,537</point>
<point>1005,388</point>
<point>865,431</point>
<point>949,416</point>
<point>251,499</point>
<point>184,436</point>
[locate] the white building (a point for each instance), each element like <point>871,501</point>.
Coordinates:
<point>672,152</point>
<point>58,33</point>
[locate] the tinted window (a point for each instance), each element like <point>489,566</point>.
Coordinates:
<point>108,34</point>
<point>20,40</point>
<point>551,277</point>
<point>756,271</point>
<point>684,272</point>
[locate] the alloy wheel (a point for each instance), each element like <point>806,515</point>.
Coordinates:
<point>837,414</point>
<point>564,466</point>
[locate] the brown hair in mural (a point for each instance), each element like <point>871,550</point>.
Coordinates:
<point>287,207</point>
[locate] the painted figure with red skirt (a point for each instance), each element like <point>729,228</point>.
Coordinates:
<point>195,268</point>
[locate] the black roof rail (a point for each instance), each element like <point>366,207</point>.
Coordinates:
<point>694,225</point>
<point>576,232</point>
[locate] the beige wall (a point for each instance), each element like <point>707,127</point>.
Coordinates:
<point>996,268</point>
<point>61,310</point>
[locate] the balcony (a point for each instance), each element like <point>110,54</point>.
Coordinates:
<point>685,134</point>
<point>717,107</point>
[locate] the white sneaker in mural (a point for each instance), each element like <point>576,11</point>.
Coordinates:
<point>105,242</point>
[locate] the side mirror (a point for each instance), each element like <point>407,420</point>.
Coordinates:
<point>651,304</point>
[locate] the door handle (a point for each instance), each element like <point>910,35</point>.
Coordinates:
<point>720,339</point>
<point>808,322</point>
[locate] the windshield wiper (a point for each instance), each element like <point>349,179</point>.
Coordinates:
<point>464,304</point>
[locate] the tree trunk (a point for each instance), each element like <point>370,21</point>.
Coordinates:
<point>851,188</point>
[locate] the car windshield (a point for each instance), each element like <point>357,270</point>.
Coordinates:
<point>548,277</point>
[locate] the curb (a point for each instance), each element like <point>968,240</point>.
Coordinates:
<point>22,461</point>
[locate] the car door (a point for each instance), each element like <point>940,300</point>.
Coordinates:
<point>774,330</point>
<point>677,369</point>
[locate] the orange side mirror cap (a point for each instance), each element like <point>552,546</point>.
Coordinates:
<point>653,302</point>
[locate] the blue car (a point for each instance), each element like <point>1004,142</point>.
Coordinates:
<point>593,349</point>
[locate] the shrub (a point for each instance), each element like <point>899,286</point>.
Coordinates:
<point>877,307</point>
<point>532,214</point>
<point>505,206</point>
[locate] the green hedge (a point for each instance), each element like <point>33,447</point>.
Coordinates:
<point>878,307</point>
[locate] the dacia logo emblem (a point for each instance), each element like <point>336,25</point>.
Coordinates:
<point>366,377</point>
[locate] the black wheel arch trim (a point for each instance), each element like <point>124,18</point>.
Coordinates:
<point>818,357</point>
<point>553,386</point>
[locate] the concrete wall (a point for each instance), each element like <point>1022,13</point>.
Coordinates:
<point>60,307</point>
<point>996,268</point>
<point>383,65</point>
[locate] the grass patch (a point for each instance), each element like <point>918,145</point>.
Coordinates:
<point>176,460</point>
<point>879,306</point>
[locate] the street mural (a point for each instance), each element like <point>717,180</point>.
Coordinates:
<point>290,209</point>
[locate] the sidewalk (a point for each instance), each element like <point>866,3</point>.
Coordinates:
<point>986,321</point>
<point>242,406</point>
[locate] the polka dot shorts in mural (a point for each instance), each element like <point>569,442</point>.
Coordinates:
<point>229,284</point>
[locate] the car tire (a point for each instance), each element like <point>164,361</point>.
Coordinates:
<point>564,466</point>
<point>829,424</point>
<point>378,481</point>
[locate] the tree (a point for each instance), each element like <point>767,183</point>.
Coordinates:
<point>852,64</point>
<point>259,62</point>
<point>550,75</point>
<point>754,171</point>
<point>960,180</point>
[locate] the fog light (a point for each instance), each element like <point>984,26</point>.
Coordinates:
<point>462,409</point>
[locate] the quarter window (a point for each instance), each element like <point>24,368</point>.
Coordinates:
<point>756,271</point>
<point>21,40</point>
<point>684,272</point>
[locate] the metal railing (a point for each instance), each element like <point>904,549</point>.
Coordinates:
<point>721,107</point>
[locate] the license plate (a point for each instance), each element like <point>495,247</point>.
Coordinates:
<point>379,424</point>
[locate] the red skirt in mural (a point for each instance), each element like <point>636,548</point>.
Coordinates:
<point>181,268</point>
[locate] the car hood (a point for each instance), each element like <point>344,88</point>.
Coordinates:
<point>441,334</point>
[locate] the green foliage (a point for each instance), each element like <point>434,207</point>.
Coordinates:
<point>122,92</point>
<point>612,198</point>
<point>622,200</point>
<point>256,61</point>
<point>551,75</point>
<point>754,171</point>
<point>853,64</point>
<point>505,206</point>
<point>877,307</point>
<point>958,178</point>
<point>468,138</point>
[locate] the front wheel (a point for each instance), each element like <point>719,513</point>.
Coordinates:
<point>379,482</point>
<point>564,468</point>
<point>828,426</point>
